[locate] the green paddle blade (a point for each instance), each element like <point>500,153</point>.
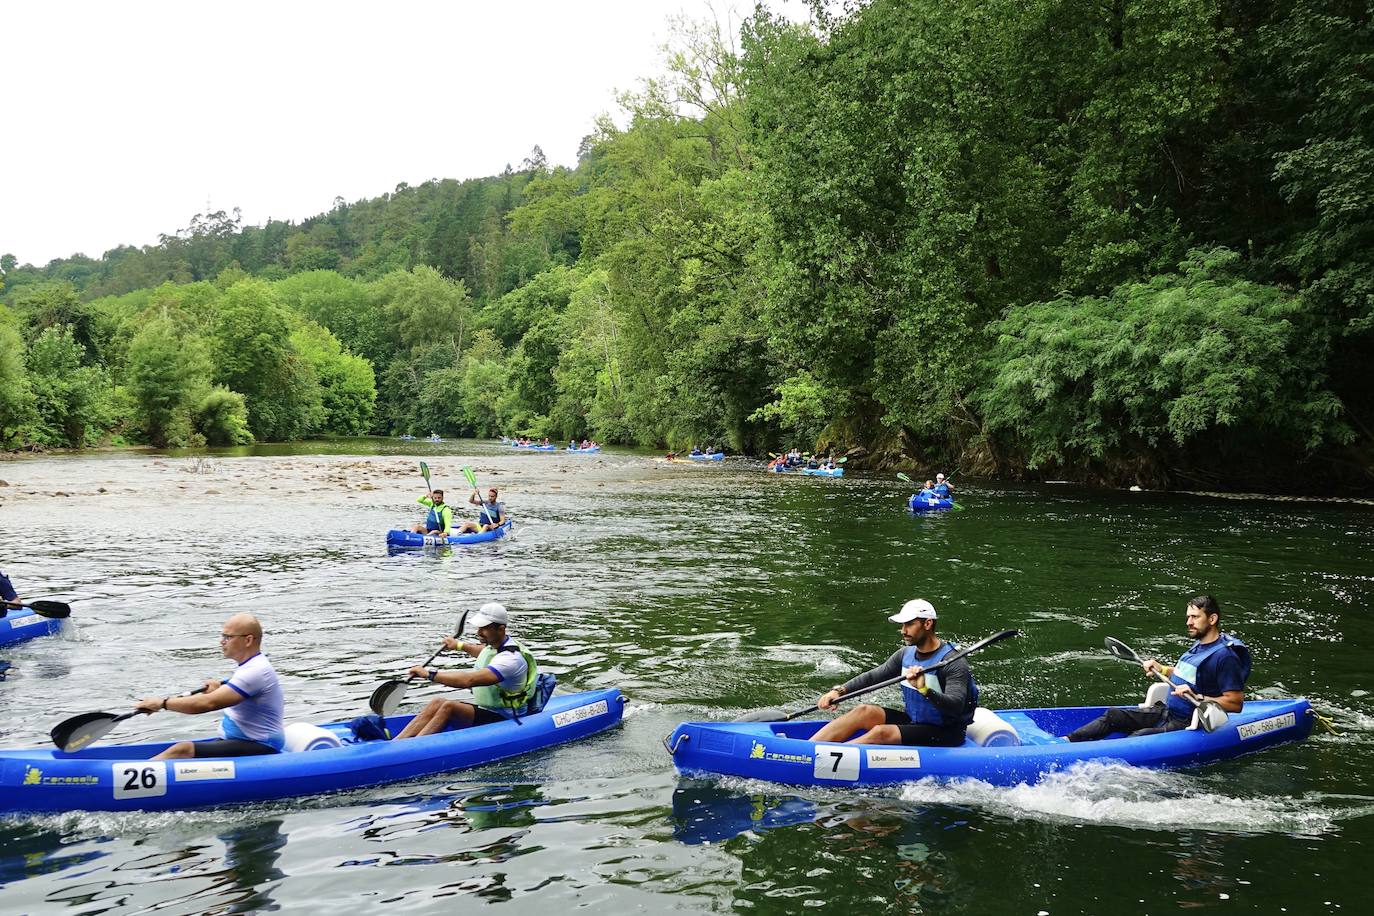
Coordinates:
<point>902,477</point>
<point>424,472</point>
<point>471,477</point>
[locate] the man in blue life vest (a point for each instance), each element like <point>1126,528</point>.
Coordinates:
<point>502,681</point>
<point>1214,668</point>
<point>439,519</point>
<point>251,698</point>
<point>491,513</point>
<point>941,488</point>
<point>7,594</point>
<point>937,709</point>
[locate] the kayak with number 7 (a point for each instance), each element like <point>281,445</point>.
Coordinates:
<point>1002,748</point>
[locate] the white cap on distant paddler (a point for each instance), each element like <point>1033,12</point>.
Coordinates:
<point>939,476</point>
<point>490,613</point>
<point>915,609</point>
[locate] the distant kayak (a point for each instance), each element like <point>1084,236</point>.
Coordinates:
<point>122,778</point>
<point>586,451</point>
<point>398,537</point>
<point>1021,745</point>
<point>535,448</point>
<point>717,456</point>
<point>928,504</point>
<point>22,624</point>
<point>823,472</point>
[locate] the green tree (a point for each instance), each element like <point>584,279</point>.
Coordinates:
<point>167,374</point>
<point>347,386</point>
<point>254,356</point>
<point>16,397</point>
<point>73,403</point>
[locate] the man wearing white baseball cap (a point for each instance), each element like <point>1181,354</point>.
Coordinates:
<point>937,709</point>
<point>942,486</point>
<point>503,680</point>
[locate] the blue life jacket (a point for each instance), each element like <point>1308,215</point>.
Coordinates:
<point>1186,671</point>
<point>921,710</point>
<point>942,490</point>
<point>433,521</point>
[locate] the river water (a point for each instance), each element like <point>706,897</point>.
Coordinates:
<point>700,592</point>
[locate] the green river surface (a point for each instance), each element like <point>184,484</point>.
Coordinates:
<point>701,592</point>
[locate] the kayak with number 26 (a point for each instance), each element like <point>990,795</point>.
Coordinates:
<point>122,778</point>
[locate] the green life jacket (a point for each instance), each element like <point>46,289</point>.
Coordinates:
<point>492,696</point>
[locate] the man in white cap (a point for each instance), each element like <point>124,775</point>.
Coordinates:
<point>942,488</point>
<point>502,681</point>
<point>937,708</point>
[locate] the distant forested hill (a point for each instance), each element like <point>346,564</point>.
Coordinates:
<point>1121,242</point>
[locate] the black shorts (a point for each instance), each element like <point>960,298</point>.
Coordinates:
<point>921,734</point>
<point>231,747</point>
<point>481,715</point>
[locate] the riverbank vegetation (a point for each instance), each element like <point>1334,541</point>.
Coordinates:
<point>1123,242</point>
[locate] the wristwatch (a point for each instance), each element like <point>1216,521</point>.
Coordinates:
<point>433,673</point>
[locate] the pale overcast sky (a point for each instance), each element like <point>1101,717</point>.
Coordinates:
<point>122,119</point>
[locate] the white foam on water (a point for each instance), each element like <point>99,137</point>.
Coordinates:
<point>1113,794</point>
<point>634,709</point>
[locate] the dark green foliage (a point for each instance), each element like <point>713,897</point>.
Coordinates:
<point>1160,366</point>
<point>1106,238</point>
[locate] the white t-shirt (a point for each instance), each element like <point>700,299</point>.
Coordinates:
<point>258,717</point>
<point>510,667</point>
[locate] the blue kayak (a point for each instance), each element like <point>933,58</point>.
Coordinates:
<point>928,504</point>
<point>823,472</point>
<point>535,448</point>
<point>718,456</point>
<point>122,778</point>
<point>19,625</point>
<point>397,537</point>
<point>1021,746</point>
<point>586,451</point>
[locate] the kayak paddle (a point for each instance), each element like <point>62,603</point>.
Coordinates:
<point>472,482</point>
<point>1210,715</point>
<point>57,610</point>
<point>71,735</point>
<point>386,699</point>
<point>770,716</point>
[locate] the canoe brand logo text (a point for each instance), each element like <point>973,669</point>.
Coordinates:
<point>759,752</point>
<point>33,776</point>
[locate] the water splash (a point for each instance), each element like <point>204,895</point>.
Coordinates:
<point>1113,794</point>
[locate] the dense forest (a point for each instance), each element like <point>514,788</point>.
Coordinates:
<point>1116,241</point>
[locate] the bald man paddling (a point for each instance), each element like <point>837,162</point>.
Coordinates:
<point>251,699</point>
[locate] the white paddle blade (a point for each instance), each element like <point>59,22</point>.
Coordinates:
<point>387,698</point>
<point>1211,716</point>
<point>1120,649</point>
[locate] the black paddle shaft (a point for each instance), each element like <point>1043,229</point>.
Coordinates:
<point>952,657</point>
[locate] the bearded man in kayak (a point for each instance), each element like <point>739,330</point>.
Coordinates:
<point>937,709</point>
<point>502,682</point>
<point>491,513</point>
<point>251,699</point>
<point>1215,668</point>
<point>440,517</point>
